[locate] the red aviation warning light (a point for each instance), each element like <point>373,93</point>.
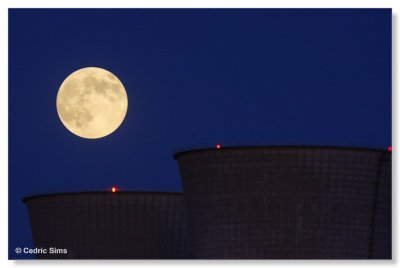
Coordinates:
<point>218,146</point>
<point>114,189</point>
<point>390,148</point>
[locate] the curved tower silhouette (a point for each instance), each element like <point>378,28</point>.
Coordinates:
<point>105,225</point>
<point>288,202</point>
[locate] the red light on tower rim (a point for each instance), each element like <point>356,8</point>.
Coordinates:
<point>114,189</point>
<point>390,148</point>
<point>218,146</point>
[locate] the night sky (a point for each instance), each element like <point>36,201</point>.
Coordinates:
<point>194,78</point>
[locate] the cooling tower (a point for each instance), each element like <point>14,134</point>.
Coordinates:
<point>105,225</point>
<point>288,202</point>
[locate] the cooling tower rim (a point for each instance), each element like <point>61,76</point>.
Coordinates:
<point>241,147</point>
<point>105,193</point>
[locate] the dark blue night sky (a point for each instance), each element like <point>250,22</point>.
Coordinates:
<point>194,78</point>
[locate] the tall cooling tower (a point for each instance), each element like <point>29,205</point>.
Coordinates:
<point>105,225</point>
<point>288,202</point>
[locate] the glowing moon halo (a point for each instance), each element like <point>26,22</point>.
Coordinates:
<point>92,102</point>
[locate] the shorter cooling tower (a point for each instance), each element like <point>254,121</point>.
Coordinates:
<point>288,202</point>
<point>105,225</point>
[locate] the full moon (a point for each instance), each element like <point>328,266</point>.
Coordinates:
<point>92,103</point>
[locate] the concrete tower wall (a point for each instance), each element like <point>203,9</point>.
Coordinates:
<point>288,202</point>
<point>119,225</point>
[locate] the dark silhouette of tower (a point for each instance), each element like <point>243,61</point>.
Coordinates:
<point>105,225</point>
<point>288,202</point>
